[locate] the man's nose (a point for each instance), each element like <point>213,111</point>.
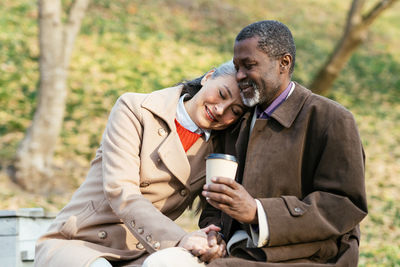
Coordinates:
<point>240,75</point>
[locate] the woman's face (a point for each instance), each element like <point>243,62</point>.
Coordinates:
<point>218,104</point>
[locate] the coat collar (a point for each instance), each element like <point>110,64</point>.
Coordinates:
<point>287,112</point>
<point>163,103</point>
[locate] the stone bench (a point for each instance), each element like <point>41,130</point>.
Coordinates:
<point>19,230</point>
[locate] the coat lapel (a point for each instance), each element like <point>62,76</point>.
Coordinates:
<point>241,142</point>
<point>174,157</point>
<point>285,115</point>
<point>239,136</point>
<point>163,104</point>
<point>198,164</point>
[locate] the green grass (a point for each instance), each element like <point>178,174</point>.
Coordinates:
<point>141,46</point>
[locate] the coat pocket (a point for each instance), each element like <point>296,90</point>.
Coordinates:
<point>71,226</point>
<point>199,177</point>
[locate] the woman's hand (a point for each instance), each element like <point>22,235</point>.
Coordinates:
<point>205,243</point>
<point>195,242</point>
<point>217,247</point>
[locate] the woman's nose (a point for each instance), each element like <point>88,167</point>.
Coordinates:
<point>219,109</point>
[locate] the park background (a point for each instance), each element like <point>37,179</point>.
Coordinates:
<point>142,46</point>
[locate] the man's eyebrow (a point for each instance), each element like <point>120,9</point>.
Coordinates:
<point>247,58</point>
<point>229,91</point>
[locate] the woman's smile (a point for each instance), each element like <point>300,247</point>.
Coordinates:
<point>209,114</point>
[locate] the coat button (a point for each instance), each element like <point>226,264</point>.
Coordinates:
<point>156,245</point>
<point>162,132</point>
<point>102,234</point>
<point>140,230</point>
<point>139,246</point>
<point>144,184</point>
<point>133,224</point>
<point>297,209</point>
<point>148,238</point>
<point>183,192</point>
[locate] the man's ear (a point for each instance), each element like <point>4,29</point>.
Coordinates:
<point>285,63</point>
<point>207,76</point>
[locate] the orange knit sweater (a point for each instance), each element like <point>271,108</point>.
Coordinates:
<point>187,137</point>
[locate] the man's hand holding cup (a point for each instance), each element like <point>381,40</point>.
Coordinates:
<point>224,193</point>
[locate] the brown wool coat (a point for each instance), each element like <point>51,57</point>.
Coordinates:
<point>139,182</point>
<point>306,166</point>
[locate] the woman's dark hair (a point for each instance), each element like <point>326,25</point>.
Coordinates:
<point>193,86</point>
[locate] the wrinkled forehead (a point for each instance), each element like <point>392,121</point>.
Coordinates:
<point>247,49</point>
<point>249,43</point>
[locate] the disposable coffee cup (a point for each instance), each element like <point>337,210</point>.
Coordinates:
<point>220,165</point>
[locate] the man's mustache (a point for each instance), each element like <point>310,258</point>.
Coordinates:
<point>245,84</point>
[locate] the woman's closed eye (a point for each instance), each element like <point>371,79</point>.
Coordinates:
<point>221,94</point>
<point>237,111</point>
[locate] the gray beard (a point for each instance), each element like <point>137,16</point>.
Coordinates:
<point>251,102</point>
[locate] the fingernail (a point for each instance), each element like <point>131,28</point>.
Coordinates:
<point>214,179</point>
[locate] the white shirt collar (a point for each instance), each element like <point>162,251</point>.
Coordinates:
<point>184,119</point>
<point>291,90</point>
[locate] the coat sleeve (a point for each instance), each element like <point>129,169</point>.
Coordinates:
<point>210,215</point>
<point>121,179</point>
<point>336,204</point>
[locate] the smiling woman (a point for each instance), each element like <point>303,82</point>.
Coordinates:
<point>148,169</point>
<point>218,104</point>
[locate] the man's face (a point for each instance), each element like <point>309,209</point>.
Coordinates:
<point>258,75</point>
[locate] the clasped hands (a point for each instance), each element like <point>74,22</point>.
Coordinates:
<point>230,197</point>
<point>205,243</point>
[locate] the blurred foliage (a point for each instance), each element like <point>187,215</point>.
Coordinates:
<point>146,45</point>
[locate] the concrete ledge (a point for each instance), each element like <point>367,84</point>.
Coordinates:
<point>19,230</point>
<point>27,212</point>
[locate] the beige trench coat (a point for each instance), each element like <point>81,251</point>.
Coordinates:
<point>139,182</point>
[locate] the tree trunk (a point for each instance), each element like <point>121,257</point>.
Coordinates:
<point>33,164</point>
<point>355,32</point>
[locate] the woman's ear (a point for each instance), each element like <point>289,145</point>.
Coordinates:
<point>207,76</point>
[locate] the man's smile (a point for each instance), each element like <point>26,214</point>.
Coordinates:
<point>247,89</point>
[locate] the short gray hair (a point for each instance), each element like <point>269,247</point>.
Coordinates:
<point>227,68</point>
<point>193,86</point>
<point>275,38</point>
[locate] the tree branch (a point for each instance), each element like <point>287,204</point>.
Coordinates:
<point>50,27</point>
<point>354,18</point>
<point>75,17</point>
<point>376,11</point>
